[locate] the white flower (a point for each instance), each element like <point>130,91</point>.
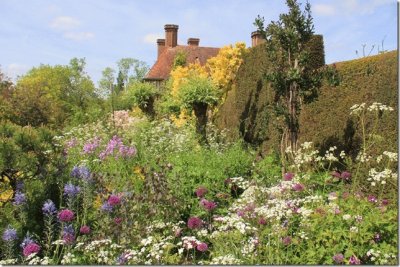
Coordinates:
<point>346,217</point>
<point>354,229</point>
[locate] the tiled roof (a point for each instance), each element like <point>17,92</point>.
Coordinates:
<point>162,68</point>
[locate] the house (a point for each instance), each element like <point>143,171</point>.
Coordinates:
<point>168,48</point>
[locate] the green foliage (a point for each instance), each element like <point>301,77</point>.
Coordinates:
<point>179,60</point>
<point>198,90</point>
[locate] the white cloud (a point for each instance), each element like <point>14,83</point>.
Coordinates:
<point>151,38</point>
<point>323,10</point>
<point>78,36</point>
<point>64,23</point>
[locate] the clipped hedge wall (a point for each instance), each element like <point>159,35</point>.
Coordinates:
<point>248,109</point>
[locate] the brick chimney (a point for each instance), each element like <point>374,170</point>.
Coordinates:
<point>160,46</point>
<point>193,41</point>
<point>171,35</point>
<point>256,38</point>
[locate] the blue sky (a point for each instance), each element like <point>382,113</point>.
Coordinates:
<point>104,31</point>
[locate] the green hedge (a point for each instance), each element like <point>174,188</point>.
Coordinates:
<point>247,110</point>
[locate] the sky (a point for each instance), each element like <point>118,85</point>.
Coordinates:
<point>52,32</point>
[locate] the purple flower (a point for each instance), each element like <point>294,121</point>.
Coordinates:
<point>19,198</point>
<point>194,223</point>
<point>31,248</point>
<point>336,174</point>
<point>114,200</point>
<point>27,240</point>
<point>201,191</point>
<point>66,215</point>
<point>71,143</point>
<point>117,220</point>
<point>106,207</point>
<point>91,146</point>
<point>20,185</point>
<point>68,234</point>
<point>240,213</point>
<point>354,260</point>
<point>85,230</point>
<point>346,175</point>
<point>298,187</point>
<point>208,205</point>
<point>202,247</point>
<point>372,199</point>
<point>80,172</point>
<point>49,208</point>
<point>377,237</point>
<point>288,176</point>
<point>287,240</point>
<point>338,258</point>
<point>385,202</point>
<point>71,190</point>
<point>9,234</point>
<point>262,221</point>
<point>122,259</point>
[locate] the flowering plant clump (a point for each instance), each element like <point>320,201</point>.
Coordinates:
<point>30,249</point>
<point>66,215</point>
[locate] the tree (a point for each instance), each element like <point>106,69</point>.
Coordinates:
<point>106,82</point>
<point>131,70</point>
<point>290,74</point>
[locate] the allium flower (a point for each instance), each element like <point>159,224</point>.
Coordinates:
<point>85,230</point>
<point>106,207</point>
<point>372,198</point>
<point>66,215</point>
<point>49,208</point>
<point>208,205</point>
<point>118,220</point>
<point>346,175</point>
<point>194,223</point>
<point>80,172</point>
<point>71,190</point>
<point>68,234</point>
<point>354,260</point>
<point>298,187</point>
<point>114,200</point>
<point>9,234</point>
<point>287,240</point>
<point>338,258</point>
<point>201,191</point>
<point>202,247</point>
<point>385,202</point>
<point>288,176</point>
<point>19,198</point>
<point>31,248</point>
<point>262,221</point>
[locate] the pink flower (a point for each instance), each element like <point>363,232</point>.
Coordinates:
<point>385,202</point>
<point>372,198</point>
<point>298,187</point>
<point>338,258</point>
<point>262,221</point>
<point>194,223</point>
<point>345,175</point>
<point>208,205</point>
<point>202,247</point>
<point>201,191</point>
<point>85,230</point>
<point>114,200</point>
<point>287,240</point>
<point>66,215</point>
<point>118,220</point>
<point>31,248</point>
<point>336,174</point>
<point>288,176</point>
<point>354,260</point>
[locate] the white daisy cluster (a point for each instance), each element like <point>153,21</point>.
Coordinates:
<point>240,182</point>
<point>357,109</point>
<point>225,260</point>
<point>377,177</point>
<point>33,259</point>
<point>392,156</point>
<point>233,221</point>
<point>363,157</point>
<point>379,106</point>
<point>8,262</point>
<point>250,246</point>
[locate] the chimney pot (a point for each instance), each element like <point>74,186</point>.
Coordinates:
<point>193,41</point>
<point>256,38</point>
<point>171,35</point>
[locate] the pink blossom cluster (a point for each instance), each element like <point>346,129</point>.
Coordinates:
<point>116,148</point>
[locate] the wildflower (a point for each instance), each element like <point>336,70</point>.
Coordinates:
<point>358,218</point>
<point>91,146</point>
<point>298,187</point>
<point>19,198</point>
<point>287,240</point>
<point>66,215</point>
<point>80,172</point>
<point>19,186</point>
<point>240,213</point>
<point>337,211</point>
<point>201,191</point>
<point>31,248</point>
<point>346,175</point>
<point>338,258</point>
<point>208,205</point>
<point>354,260</point>
<point>117,220</point>
<point>71,190</point>
<point>202,247</point>
<point>346,217</point>
<point>377,237</point>
<point>262,221</point>
<point>68,234</point>
<point>385,202</point>
<point>194,223</point>
<point>114,200</point>
<point>106,207</point>
<point>178,232</point>
<point>336,174</point>
<point>10,234</point>
<point>27,240</point>
<point>49,208</point>
<point>332,196</point>
<point>345,195</point>
<point>372,199</point>
<point>288,176</point>
<point>354,229</point>
<point>85,230</point>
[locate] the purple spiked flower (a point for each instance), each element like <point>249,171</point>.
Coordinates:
<point>49,208</point>
<point>9,234</point>
<point>19,198</point>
